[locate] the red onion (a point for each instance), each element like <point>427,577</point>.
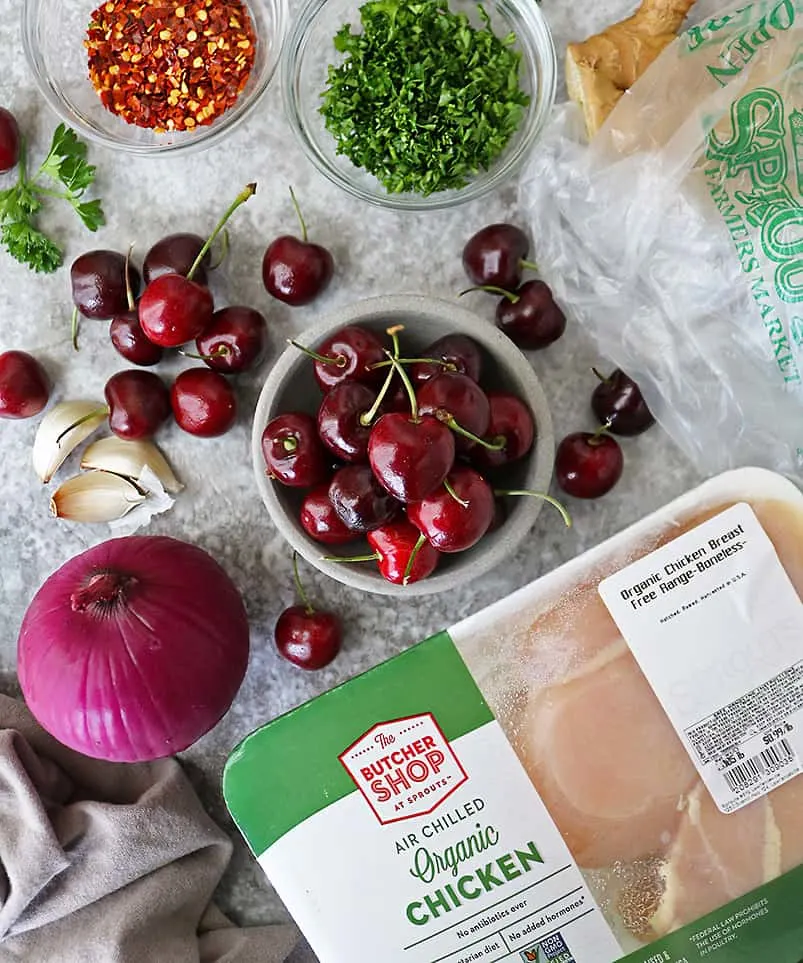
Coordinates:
<point>133,649</point>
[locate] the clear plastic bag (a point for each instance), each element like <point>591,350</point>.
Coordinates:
<point>676,237</point>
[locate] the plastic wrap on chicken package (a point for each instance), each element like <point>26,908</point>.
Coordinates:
<point>675,236</point>
<point>604,766</point>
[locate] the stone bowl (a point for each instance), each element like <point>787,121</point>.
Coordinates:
<point>291,386</point>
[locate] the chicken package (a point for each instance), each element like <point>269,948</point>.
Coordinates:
<point>696,154</point>
<point>604,766</point>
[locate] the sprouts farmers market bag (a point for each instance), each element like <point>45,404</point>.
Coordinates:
<point>676,236</point>
<point>604,766</point>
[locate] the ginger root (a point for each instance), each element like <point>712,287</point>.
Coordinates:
<point>599,70</point>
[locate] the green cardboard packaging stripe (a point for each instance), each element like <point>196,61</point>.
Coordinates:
<point>396,822</point>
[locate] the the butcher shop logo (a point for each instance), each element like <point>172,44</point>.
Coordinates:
<point>404,767</point>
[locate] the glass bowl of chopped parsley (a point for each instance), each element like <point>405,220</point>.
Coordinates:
<point>418,104</point>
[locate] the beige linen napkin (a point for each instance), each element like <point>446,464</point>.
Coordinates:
<point>109,863</point>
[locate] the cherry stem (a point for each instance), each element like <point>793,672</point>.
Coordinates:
<point>74,329</point>
<point>299,215</point>
<point>368,416</point>
<point>445,364</point>
<point>408,385</point>
<point>602,378</point>
<point>300,588</point>
<point>528,265</point>
<point>221,351</point>
<point>248,191</point>
<point>373,557</point>
<point>224,250</point>
<point>394,332</point>
<point>567,518</point>
<point>129,294</point>
<point>338,359</point>
<point>596,438</point>
<point>448,419</point>
<point>408,568</point>
<point>290,445</point>
<point>492,289</point>
<point>91,414</point>
<point>448,486</point>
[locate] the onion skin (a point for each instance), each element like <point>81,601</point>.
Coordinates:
<point>148,672</point>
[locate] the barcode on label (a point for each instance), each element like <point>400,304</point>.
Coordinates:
<point>749,772</point>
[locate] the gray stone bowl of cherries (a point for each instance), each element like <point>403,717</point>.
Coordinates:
<point>404,446</point>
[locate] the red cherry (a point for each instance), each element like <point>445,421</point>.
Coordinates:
<point>203,402</point>
<point>296,270</point>
<point>131,341</point>
<point>339,420</point>
<point>293,451</point>
<point>495,254</point>
<point>175,254</point>
<point>459,351</point>
<point>24,386</point>
<point>510,419</point>
<point>454,524</point>
<point>235,340</point>
<point>533,320</point>
<point>499,516</point>
<point>397,399</point>
<point>9,141</point>
<point>359,500</point>
<point>139,403</point>
<point>618,403</point>
<point>588,465</point>
<point>410,458</point>
<point>307,638</point>
<point>173,310</point>
<point>320,520</point>
<point>394,544</point>
<point>459,396</point>
<point>97,281</point>
<point>350,354</point>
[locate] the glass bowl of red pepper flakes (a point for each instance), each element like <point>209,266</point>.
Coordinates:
<point>153,76</point>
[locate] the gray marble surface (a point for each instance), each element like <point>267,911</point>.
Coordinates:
<point>376,252</point>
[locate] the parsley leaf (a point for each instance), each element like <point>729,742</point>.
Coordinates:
<point>91,214</point>
<point>66,165</point>
<point>423,100</point>
<point>28,245</point>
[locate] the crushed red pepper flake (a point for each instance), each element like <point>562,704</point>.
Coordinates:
<point>169,64</point>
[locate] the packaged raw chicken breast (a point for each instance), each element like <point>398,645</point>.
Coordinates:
<point>604,766</point>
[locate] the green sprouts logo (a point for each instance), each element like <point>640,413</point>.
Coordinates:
<point>764,217</point>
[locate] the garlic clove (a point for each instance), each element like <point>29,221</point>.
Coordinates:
<point>97,496</point>
<point>55,439</point>
<point>129,458</point>
<point>157,502</point>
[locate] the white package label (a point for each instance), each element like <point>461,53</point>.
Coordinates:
<point>717,628</point>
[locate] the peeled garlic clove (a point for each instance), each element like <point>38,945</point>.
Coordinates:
<point>97,496</point>
<point>129,458</point>
<point>54,442</point>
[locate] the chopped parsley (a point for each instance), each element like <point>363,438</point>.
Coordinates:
<point>423,100</point>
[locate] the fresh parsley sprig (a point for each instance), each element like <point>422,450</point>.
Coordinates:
<point>67,168</point>
<point>423,99</point>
